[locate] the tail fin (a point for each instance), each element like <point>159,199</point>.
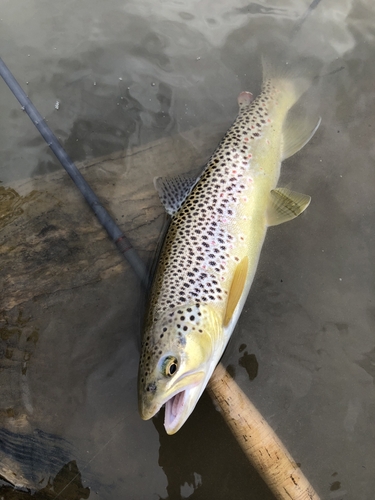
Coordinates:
<point>290,80</point>
<point>286,77</point>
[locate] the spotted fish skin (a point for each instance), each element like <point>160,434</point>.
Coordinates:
<point>210,255</point>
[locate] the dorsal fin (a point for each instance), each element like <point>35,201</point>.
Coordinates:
<point>173,191</point>
<point>236,288</point>
<point>285,205</point>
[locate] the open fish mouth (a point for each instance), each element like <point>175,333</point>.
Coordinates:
<point>178,404</point>
<point>174,410</point>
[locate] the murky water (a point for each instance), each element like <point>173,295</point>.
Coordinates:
<point>126,74</point>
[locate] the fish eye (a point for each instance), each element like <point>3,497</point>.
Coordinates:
<point>169,366</point>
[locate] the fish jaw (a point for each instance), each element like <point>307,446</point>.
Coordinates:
<point>179,399</point>
<point>179,407</point>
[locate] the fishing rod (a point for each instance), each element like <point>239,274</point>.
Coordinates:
<point>120,240</point>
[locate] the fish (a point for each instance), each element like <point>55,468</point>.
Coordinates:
<point>211,250</point>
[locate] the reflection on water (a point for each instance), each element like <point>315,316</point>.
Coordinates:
<point>29,457</point>
<point>139,77</point>
<point>66,485</point>
<point>203,458</point>
<point>247,361</point>
<point>250,363</point>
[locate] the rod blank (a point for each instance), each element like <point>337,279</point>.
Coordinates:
<point>122,243</point>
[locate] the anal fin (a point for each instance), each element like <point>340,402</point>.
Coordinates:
<point>285,205</point>
<point>236,288</point>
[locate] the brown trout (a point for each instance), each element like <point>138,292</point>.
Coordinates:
<point>211,250</point>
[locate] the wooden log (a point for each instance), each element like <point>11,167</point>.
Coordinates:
<point>51,241</point>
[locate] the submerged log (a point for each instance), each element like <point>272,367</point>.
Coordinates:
<point>50,240</point>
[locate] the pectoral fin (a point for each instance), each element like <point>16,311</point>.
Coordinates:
<point>285,205</point>
<point>236,289</point>
<point>174,191</point>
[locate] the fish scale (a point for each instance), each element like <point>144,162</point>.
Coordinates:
<point>212,247</point>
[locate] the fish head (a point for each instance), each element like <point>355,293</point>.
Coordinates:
<point>180,351</point>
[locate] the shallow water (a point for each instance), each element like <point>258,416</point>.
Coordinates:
<point>125,75</point>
